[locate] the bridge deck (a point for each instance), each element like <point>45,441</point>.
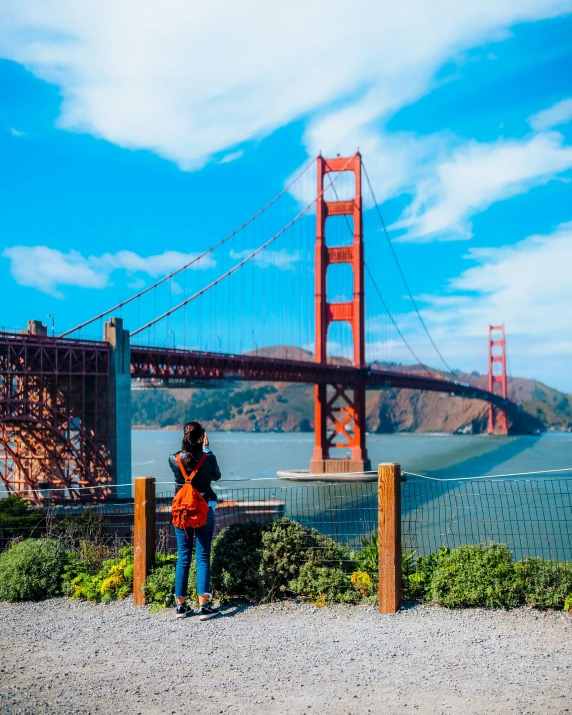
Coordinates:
<point>173,366</point>
<point>180,366</point>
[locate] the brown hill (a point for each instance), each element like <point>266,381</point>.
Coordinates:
<point>289,408</point>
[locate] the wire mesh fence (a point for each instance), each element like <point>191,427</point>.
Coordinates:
<point>113,522</point>
<point>533,517</point>
<point>344,512</point>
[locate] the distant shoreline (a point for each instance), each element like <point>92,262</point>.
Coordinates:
<point>178,428</point>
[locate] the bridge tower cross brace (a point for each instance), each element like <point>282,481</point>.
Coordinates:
<point>339,409</point>
<point>497,378</point>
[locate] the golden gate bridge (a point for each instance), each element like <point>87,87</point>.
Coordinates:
<point>281,299</point>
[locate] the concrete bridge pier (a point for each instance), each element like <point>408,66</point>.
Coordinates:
<point>119,405</point>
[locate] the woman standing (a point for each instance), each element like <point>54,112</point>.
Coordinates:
<point>196,445</point>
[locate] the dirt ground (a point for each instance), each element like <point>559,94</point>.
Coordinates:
<point>62,657</point>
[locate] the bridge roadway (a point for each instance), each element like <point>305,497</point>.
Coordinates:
<point>173,366</point>
<point>21,353</point>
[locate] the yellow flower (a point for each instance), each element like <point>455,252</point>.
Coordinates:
<point>320,602</point>
<point>361,581</point>
<point>111,582</point>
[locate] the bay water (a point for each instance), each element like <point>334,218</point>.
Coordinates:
<point>254,457</point>
<point>529,511</point>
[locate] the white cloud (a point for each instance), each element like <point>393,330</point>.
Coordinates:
<point>449,180</point>
<point>16,132</point>
<point>474,176</point>
<point>189,83</point>
<point>283,259</point>
<point>560,113</point>
<point>47,269</point>
<point>233,156</point>
<point>394,161</point>
<point>153,266</point>
<point>525,286</point>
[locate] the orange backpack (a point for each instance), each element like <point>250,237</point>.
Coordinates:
<point>189,509</point>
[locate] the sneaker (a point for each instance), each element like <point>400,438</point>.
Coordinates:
<point>182,610</point>
<point>208,611</point>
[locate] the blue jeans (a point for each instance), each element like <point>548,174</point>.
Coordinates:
<point>185,554</point>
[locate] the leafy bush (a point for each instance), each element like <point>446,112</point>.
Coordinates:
<point>475,576</point>
<point>113,580</point>
<point>361,581</point>
<point>31,569</point>
<point>418,574</point>
<point>330,584</point>
<point>17,518</point>
<point>367,558</point>
<point>544,584</point>
<point>159,588</point>
<point>287,547</point>
<point>568,603</point>
<point>261,561</point>
<point>235,563</point>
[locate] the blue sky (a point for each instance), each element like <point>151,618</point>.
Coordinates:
<point>131,140</point>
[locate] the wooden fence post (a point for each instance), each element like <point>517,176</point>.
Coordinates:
<point>143,534</point>
<point>389,536</point>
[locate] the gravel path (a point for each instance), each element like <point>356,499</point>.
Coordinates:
<point>62,657</point>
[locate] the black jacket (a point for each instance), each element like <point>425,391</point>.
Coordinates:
<point>209,472</point>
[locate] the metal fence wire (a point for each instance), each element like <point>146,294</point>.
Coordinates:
<point>533,517</point>
<point>344,512</point>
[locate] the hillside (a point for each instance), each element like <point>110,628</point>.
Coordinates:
<point>289,408</point>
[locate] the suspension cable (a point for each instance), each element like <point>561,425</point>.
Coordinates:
<point>197,258</point>
<point>425,328</point>
<point>245,260</point>
<point>378,291</point>
<point>395,325</point>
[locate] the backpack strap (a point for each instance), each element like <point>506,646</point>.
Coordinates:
<point>186,477</point>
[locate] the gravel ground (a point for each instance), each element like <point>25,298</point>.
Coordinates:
<point>69,657</point>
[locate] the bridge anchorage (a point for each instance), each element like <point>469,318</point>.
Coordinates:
<point>65,414</point>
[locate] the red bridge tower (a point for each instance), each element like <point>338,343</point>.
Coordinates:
<point>497,378</point>
<point>340,408</point>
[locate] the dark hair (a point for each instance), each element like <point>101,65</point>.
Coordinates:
<point>192,437</point>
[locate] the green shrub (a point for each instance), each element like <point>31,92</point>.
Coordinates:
<point>328,584</point>
<point>17,518</point>
<point>261,561</point>
<point>568,603</point>
<point>113,580</point>
<point>367,558</point>
<point>418,574</point>
<point>286,547</point>
<point>31,569</point>
<point>235,563</point>
<point>544,584</point>
<point>476,576</point>
<point>159,588</point>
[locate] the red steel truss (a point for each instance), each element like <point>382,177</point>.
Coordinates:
<point>54,416</point>
<point>497,378</point>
